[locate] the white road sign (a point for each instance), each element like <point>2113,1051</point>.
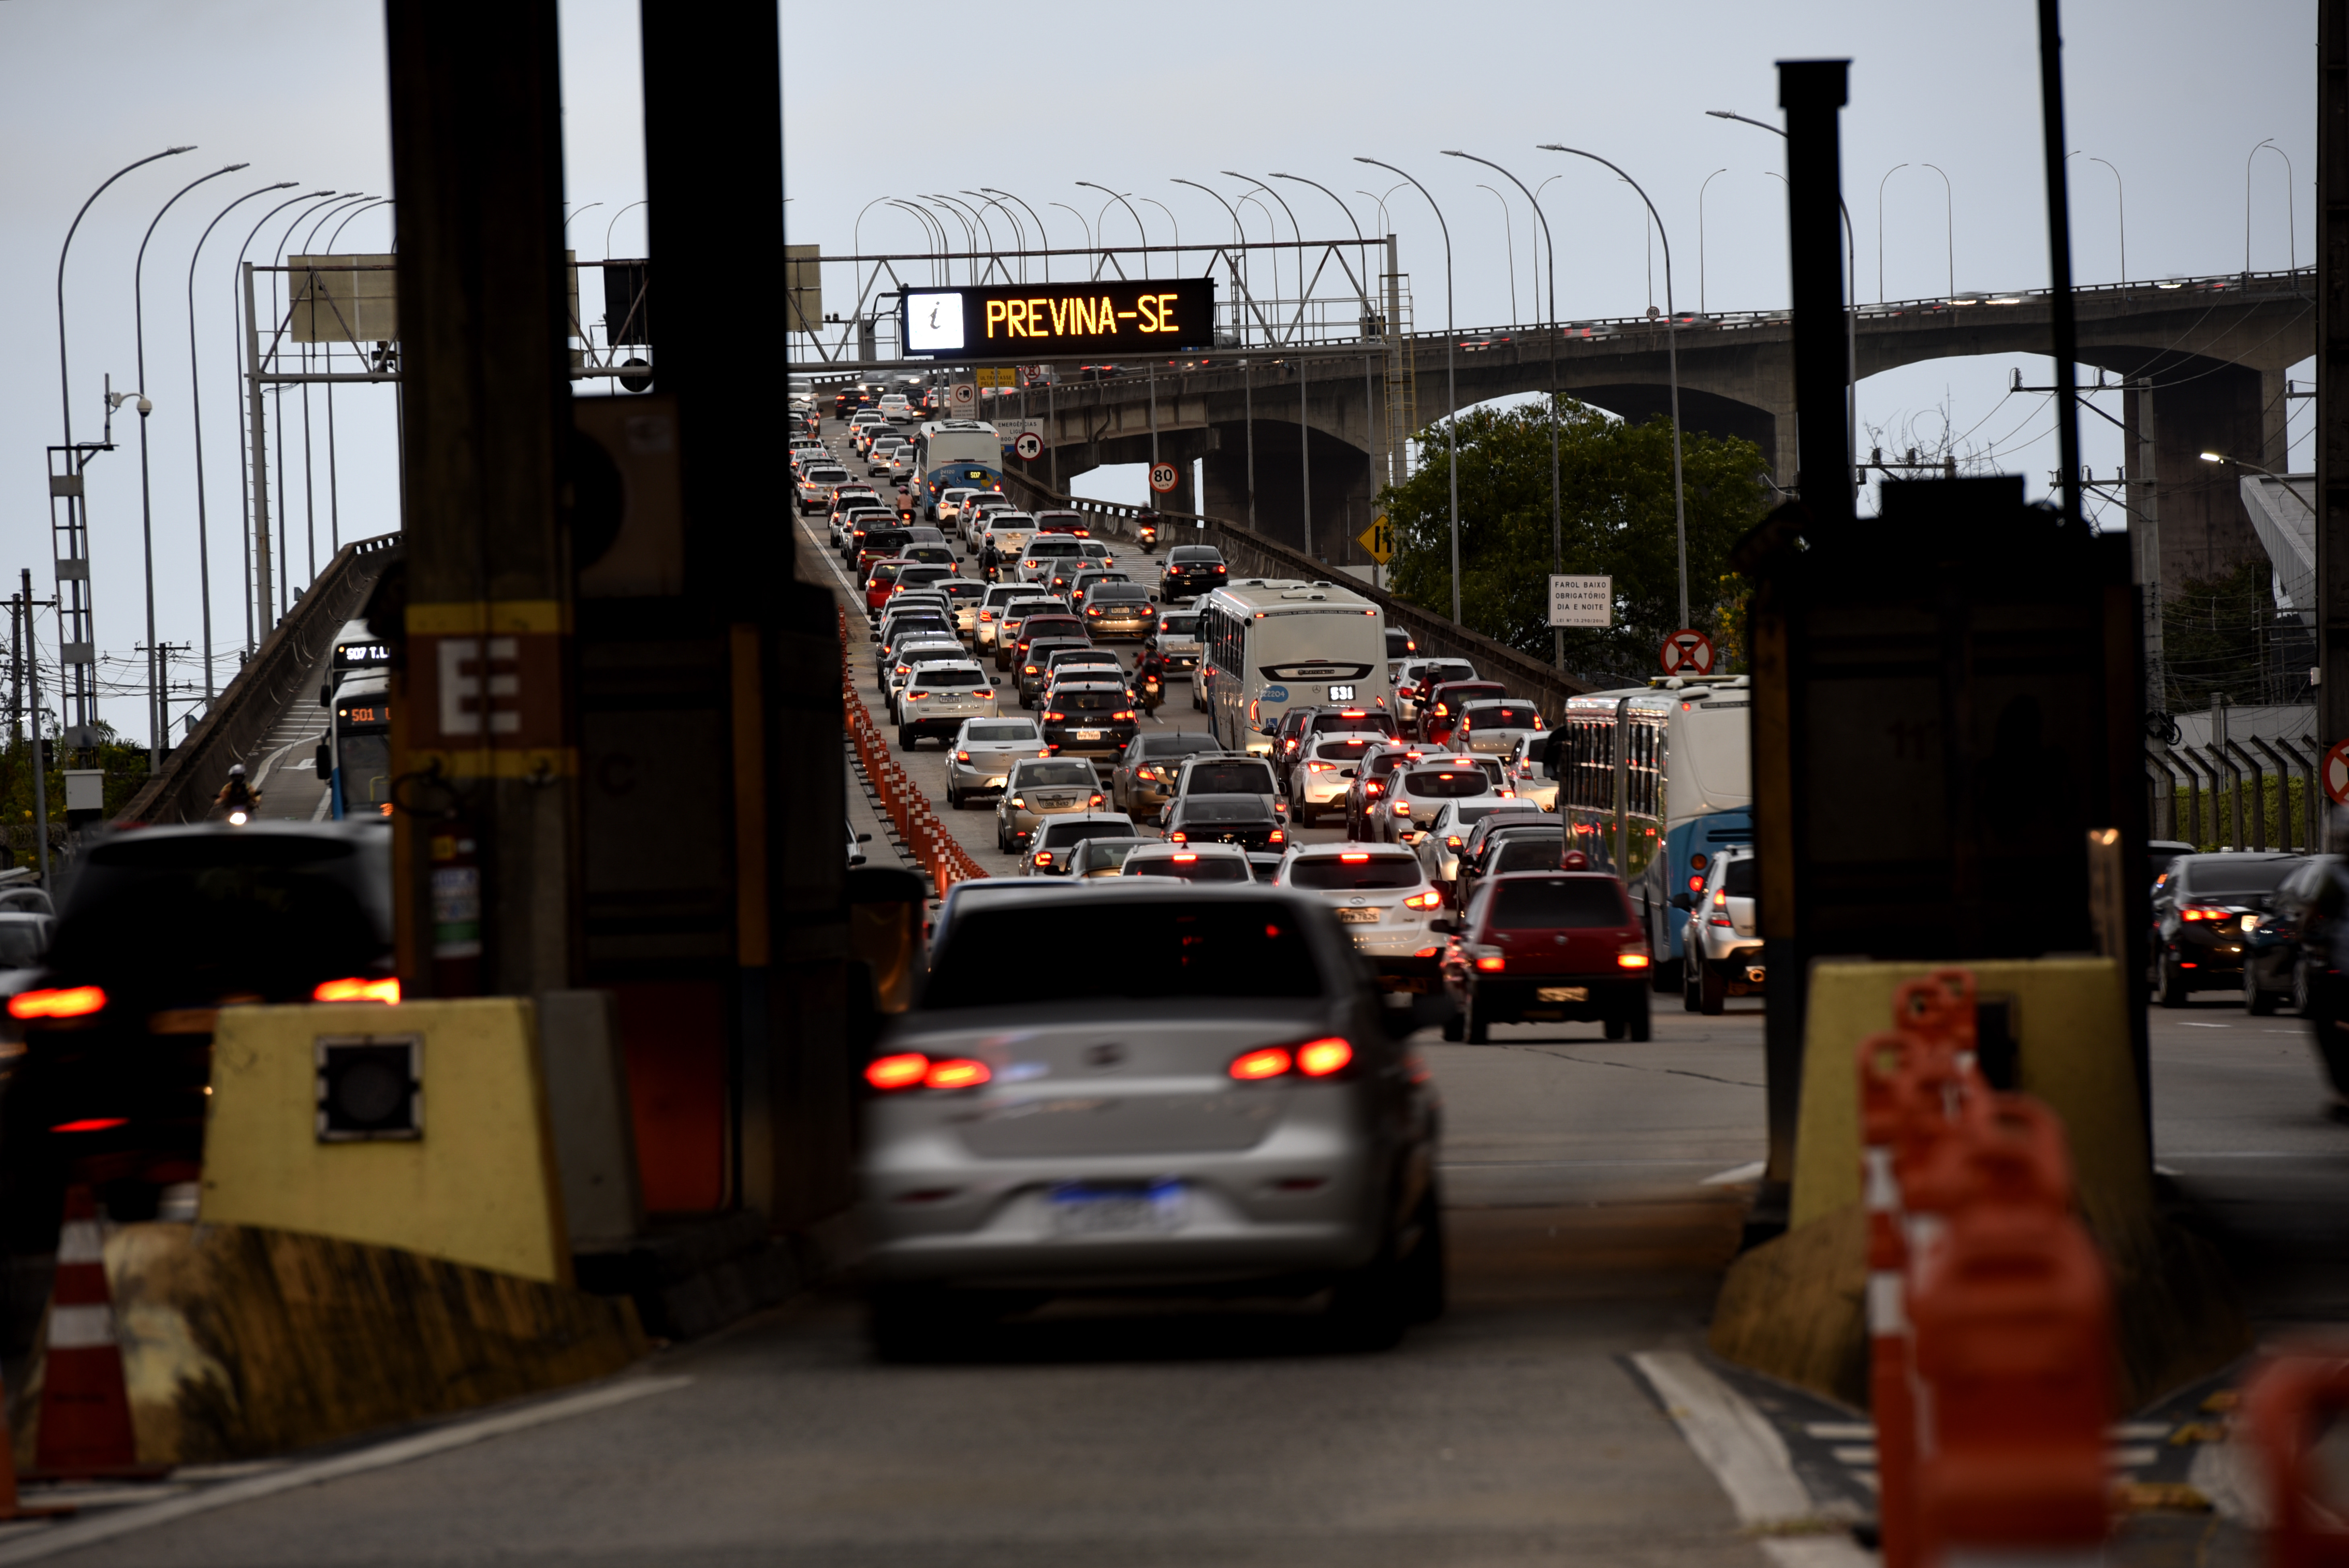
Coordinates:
<point>1581,601</point>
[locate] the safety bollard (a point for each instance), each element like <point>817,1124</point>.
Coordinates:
<point>2287,1405</point>
<point>1884,1059</point>
<point>2011,1317</point>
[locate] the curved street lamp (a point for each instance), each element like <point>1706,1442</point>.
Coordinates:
<point>1451,387</point>
<point>1139,226</point>
<point>1671,352</point>
<point>622,214</point>
<point>1239,236</point>
<point>1045,237</point>
<point>1950,221</point>
<point>1701,190</point>
<point>1888,173</point>
<point>1295,228</point>
<point>2292,237</point>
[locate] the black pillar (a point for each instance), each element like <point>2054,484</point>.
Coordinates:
<point>2333,371</point>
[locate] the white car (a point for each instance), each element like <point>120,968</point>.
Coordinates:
<point>1721,940</point>
<point>976,520</point>
<point>1384,898</point>
<point>940,697</point>
<point>993,602</point>
<point>1006,533</point>
<point>1407,677</point>
<point>894,408</point>
<point>1448,831</point>
<point>877,457</point>
<point>931,649</point>
<point>1319,780</point>
<point>1525,775</point>
<point>982,753</point>
<point>1046,854</point>
<point>948,505</point>
<point>963,595</point>
<point>1494,728</point>
<point>1045,552</point>
<point>1190,863</point>
<point>1415,794</point>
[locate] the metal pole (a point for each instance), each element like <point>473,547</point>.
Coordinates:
<point>1673,361</point>
<point>1305,454</point>
<point>1888,173</point>
<point>1701,309</point>
<point>1508,238</point>
<point>2059,250</point>
<point>40,774</point>
<point>1247,423</point>
<point>1451,384</point>
<point>248,404</point>
<point>1949,224</point>
<point>263,599</point>
<point>1549,250</point>
<point>1153,414</point>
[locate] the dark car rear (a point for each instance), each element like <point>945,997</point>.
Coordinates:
<point>1240,819</point>
<point>1550,946</point>
<point>1120,609</point>
<point>1192,570</point>
<point>1442,709</point>
<point>1083,723</point>
<point>1034,670</point>
<point>2205,914</point>
<point>160,928</point>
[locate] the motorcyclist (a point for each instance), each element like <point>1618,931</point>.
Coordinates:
<point>1150,677</point>
<point>237,795</point>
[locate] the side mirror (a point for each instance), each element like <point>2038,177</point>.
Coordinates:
<point>1445,925</point>
<point>1349,773</point>
<point>1682,901</point>
<point>324,762</point>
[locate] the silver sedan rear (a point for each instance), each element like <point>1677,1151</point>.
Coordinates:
<point>1221,1106</point>
<point>982,753</point>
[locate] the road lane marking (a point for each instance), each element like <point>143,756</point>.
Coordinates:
<point>62,1538</point>
<point>1735,1441</point>
<point>1735,1174</point>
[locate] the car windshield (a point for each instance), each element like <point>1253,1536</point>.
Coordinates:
<point>950,678</point>
<point>1343,751</point>
<point>214,913</point>
<point>1109,854</point>
<point>1242,948</point>
<point>1179,626</point>
<point>1529,852</point>
<point>1229,778</point>
<point>1381,766</point>
<point>1502,716</point>
<point>826,476</point>
<point>1743,878</point>
<point>1436,785</point>
<point>1354,872</point>
<point>1007,731</point>
<point>2222,879</point>
<point>1191,867</point>
<point>1200,554</point>
<point>1048,775</point>
<point>1058,834</point>
<point>1554,903</point>
<point>1119,592</point>
<point>1355,723</point>
<point>1053,549</point>
<point>1437,674</point>
<point>1090,702</point>
<point>1223,808</point>
<point>1461,815</point>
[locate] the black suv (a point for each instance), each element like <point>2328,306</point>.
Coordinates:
<point>1241,819</point>
<point>2205,913</point>
<point>1192,570</point>
<point>1083,721</point>
<point>160,928</point>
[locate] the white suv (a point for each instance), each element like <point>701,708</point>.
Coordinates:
<point>939,697</point>
<point>1384,898</point>
<point>1723,943</point>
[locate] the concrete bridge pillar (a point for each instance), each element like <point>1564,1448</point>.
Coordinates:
<point>2210,408</point>
<point>1344,488</point>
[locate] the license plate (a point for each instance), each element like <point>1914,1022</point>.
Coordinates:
<point>1358,917</point>
<point>1088,734</point>
<point>1341,694</point>
<point>1417,984</point>
<point>1081,1209</point>
<point>1563,994</point>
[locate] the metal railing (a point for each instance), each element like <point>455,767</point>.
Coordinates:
<point>283,672</point>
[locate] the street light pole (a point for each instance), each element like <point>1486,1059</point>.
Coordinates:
<point>1701,308</point>
<point>624,212</point>
<point>1556,514</point>
<point>1888,173</point>
<point>1240,237</point>
<point>156,720</point>
<point>1139,227</point>
<point>1293,228</point>
<point>1950,223</point>
<point>1672,360</point>
<point>1040,226</point>
<point>196,411</point>
<point>2292,236</point>
<point>1508,239</point>
<point>1451,385</point>
<point>255,496</point>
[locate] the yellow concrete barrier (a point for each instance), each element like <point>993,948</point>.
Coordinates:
<point>461,1168</point>
<point>2070,1022</point>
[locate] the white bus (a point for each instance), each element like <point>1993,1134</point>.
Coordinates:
<point>1655,780</point>
<point>1270,644</point>
<point>951,453</point>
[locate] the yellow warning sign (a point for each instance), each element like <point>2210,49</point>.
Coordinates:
<point>1378,539</point>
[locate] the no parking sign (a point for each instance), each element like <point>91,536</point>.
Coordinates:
<point>1687,653</point>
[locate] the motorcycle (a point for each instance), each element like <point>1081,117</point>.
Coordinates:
<point>1148,533</point>
<point>1154,693</point>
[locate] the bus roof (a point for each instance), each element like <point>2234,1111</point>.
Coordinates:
<point>1254,594</point>
<point>364,685</point>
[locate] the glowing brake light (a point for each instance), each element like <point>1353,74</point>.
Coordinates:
<point>1043,858</point>
<point>1277,837</point>
<point>1270,1062</point>
<point>1630,960</point>
<point>1184,859</point>
<point>67,1002</point>
<point>2201,912</point>
<point>358,988</point>
<point>901,1072</point>
<point>959,1073</point>
<point>1319,1058</point>
<point>92,1124</point>
<point>1431,899</point>
<point>962,756</point>
<point>1353,859</point>
<point>1493,963</point>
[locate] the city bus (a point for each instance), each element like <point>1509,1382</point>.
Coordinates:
<point>1269,644</point>
<point>355,649</point>
<point>952,452</point>
<point>1653,782</point>
<point>355,760</point>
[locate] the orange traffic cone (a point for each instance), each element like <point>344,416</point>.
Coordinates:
<point>85,1407</point>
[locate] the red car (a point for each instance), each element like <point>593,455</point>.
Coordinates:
<point>1547,947</point>
<point>1440,710</point>
<point>881,581</point>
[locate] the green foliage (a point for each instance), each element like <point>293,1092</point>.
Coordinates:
<point>1615,491</point>
<point>125,763</point>
<point>2217,636</point>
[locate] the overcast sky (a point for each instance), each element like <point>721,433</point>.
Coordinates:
<point>2175,96</point>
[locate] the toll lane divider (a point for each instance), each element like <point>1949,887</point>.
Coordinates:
<point>934,849</point>
<point>1990,1311</point>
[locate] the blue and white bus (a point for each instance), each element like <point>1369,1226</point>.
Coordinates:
<point>1653,782</point>
<point>356,760</point>
<point>951,454</point>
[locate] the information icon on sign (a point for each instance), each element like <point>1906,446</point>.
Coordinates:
<point>1029,445</point>
<point>1162,477</point>
<point>1687,653</point>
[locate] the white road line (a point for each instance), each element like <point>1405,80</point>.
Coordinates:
<point>1842,1431</point>
<point>1735,1441</point>
<point>72,1537</point>
<point>1735,1174</point>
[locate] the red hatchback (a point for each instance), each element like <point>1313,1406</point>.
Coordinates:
<point>1440,710</point>
<point>1547,947</point>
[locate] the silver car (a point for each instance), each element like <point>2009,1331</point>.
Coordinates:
<point>981,754</point>
<point>1447,834</point>
<point>1384,899</point>
<point>1221,1106</point>
<point>941,698</point>
<point>1494,728</point>
<point>1722,941</point>
<point>1053,845</point>
<point>1043,788</point>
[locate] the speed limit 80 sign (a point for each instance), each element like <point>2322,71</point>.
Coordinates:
<point>1162,477</point>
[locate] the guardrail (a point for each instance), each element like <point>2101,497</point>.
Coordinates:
<point>285,666</point>
<point>1253,555</point>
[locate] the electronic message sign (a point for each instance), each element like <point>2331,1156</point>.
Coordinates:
<point>1024,321</point>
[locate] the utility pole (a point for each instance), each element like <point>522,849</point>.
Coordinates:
<point>39,774</point>
<point>2331,375</point>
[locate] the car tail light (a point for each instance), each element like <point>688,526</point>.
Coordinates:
<point>1092,610</point>
<point>1029,670</point>
<point>1320,767</point>
<point>1319,1058</point>
<point>916,696</point>
<point>1275,837</point>
<point>2202,912</point>
<point>66,1002</point>
<point>956,1073</point>
<point>94,1124</point>
<point>1270,1062</point>
<point>1452,841</point>
<point>1218,570</point>
<point>1123,714</point>
<point>1352,860</point>
<point>1051,716</point>
<point>358,988</point>
<point>1372,789</point>
<point>1431,899</point>
<point>1631,961</point>
<point>900,1071</point>
<point>1493,963</point>
<point>1403,808</point>
<point>962,756</point>
<point>1093,802</point>
<point>1696,884</point>
<point>1043,858</point>
<point>1184,859</point>
<point>1178,836</point>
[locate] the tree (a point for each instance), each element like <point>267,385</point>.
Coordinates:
<point>1615,488</point>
